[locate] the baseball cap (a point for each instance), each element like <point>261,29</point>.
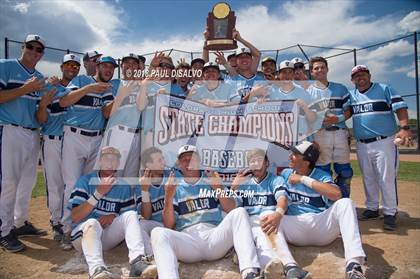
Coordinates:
<point>211,65</point>
<point>308,150</point>
<point>230,56</point>
<point>90,54</point>
<point>71,57</point>
<point>286,64</point>
<point>268,59</point>
<point>243,50</point>
<point>107,59</point>
<point>359,68</point>
<point>296,61</point>
<point>35,38</point>
<point>130,55</point>
<point>197,60</point>
<point>186,148</point>
<point>110,150</point>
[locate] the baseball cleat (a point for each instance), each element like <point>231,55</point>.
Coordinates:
<point>10,243</point>
<point>66,242</point>
<point>142,268</point>
<point>354,271</point>
<point>369,215</point>
<point>389,222</point>
<point>101,273</point>
<point>57,232</point>
<point>252,275</point>
<point>295,272</point>
<point>28,229</point>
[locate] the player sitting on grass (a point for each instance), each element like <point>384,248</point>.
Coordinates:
<point>103,211</point>
<point>306,214</point>
<point>201,233</point>
<point>261,208</point>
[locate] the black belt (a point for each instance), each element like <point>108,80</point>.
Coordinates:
<point>333,128</point>
<point>32,129</point>
<point>51,137</point>
<point>131,130</point>
<point>86,133</point>
<point>372,139</point>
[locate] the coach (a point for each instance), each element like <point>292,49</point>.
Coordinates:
<point>372,106</point>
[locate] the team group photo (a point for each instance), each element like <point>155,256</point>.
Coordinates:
<point>236,139</point>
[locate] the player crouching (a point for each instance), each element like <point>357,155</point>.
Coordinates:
<point>103,211</point>
<point>200,233</point>
<point>307,213</point>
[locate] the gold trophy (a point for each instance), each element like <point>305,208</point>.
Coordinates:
<point>220,23</point>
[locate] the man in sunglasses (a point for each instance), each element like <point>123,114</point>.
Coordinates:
<point>20,86</point>
<point>89,104</point>
<point>90,59</point>
<point>300,73</point>
<point>51,116</point>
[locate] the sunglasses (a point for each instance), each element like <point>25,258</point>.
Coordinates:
<point>32,47</point>
<point>72,65</point>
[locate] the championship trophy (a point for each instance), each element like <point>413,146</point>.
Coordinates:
<point>220,23</point>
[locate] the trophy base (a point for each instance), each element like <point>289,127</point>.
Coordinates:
<point>221,44</point>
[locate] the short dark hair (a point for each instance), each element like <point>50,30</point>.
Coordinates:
<point>146,156</point>
<point>315,59</point>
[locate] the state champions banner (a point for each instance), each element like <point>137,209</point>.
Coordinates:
<point>223,135</point>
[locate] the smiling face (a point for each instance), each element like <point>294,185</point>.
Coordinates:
<point>269,68</point>
<point>211,73</point>
<point>189,163</point>
<point>297,162</point>
<point>319,71</point>
<point>32,52</point>
<point>70,70</point>
<point>129,65</point>
<point>244,61</point>
<point>105,71</point>
<point>361,80</point>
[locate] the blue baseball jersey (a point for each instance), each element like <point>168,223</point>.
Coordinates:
<point>20,111</point>
<point>120,199</point>
<point>244,85</point>
<point>56,114</point>
<point>302,199</point>
<point>263,194</point>
<point>87,112</point>
<point>373,111</point>
<point>157,198</point>
<point>152,89</point>
<point>225,91</point>
<point>127,113</point>
<point>192,206</point>
<point>330,99</point>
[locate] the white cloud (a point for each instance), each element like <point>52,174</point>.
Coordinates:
<point>22,7</point>
<point>410,22</point>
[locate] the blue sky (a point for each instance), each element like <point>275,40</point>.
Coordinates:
<point>118,27</point>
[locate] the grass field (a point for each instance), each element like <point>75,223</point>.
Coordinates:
<point>409,171</point>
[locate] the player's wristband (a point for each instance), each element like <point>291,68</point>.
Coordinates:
<point>307,181</point>
<point>145,196</point>
<point>93,201</point>
<point>280,211</point>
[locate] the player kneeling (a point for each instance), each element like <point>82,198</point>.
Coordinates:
<point>306,213</point>
<point>200,234</point>
<point>261,207</point>
<point>103,211</point>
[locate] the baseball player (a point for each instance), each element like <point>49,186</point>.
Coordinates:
<point>214,92</point>
<point>300,73</point>
<point>90,59</point>
<point>261,208</point>
<point>268,65</point>
<point>152,192</point>
<point>51,116</point>
<point>372,106</point>
<point>333,135</point>
<point>200,233</point>
<point>89,104</point>
<point>20,86</point>
<point>311,212</point>
<point>104,213</point>
<point>123,129</point>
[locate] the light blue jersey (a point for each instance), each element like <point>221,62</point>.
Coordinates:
<point>56,114</point>
<point>192,208</point>
<point>373,111</point>
<point>330,99</point>
<point>148,120</point>
<point>87,112</point>
<point>157,198</point>
<point>225,92</point>
<point>120,199</point>
<point>127,113</point>
<point>20,111</point>
<point>244,85</point>
<point>301,198</point>
<point>263,194</point>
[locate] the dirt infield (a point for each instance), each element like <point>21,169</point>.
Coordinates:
<point>391,254</point>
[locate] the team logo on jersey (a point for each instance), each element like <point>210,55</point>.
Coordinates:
<point>37,38</point>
